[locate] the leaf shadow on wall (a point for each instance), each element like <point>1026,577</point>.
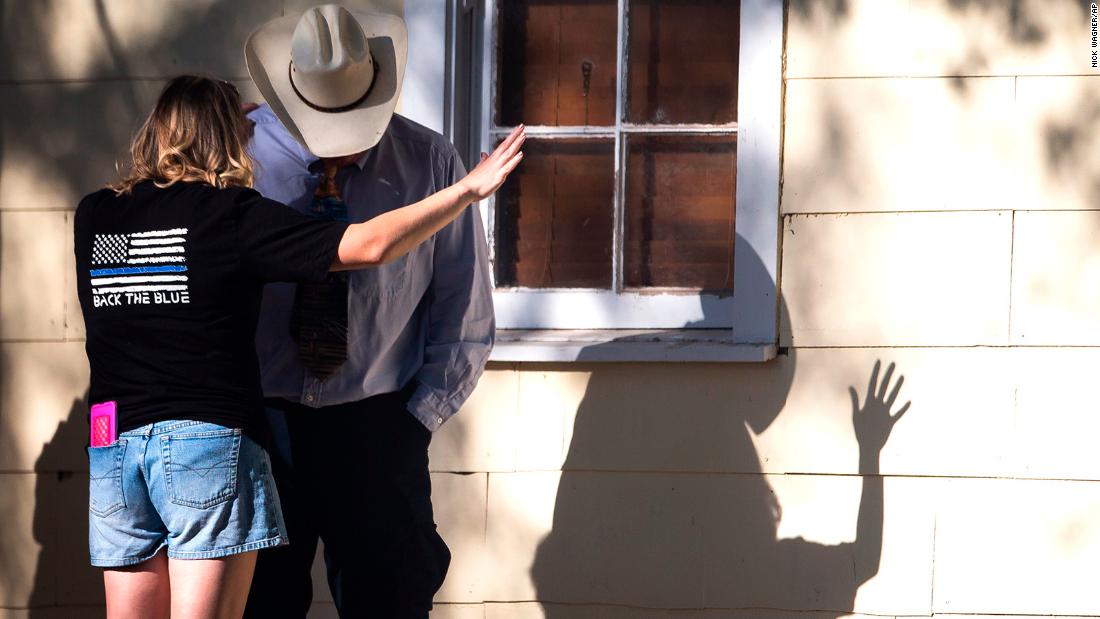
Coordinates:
<point>662,502</point>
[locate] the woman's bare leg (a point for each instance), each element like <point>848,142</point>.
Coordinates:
<point>138,591</point>
<point>211,588</point>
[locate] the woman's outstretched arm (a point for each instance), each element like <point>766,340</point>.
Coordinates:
<point>392,234</point>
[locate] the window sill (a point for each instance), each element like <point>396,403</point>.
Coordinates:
<point>617,345</point>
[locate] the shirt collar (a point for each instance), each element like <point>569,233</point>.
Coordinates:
<point>313,163</point>
<point>263,114</point>
<point>362,160</point>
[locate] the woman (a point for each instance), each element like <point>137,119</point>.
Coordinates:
<point>171,262</point>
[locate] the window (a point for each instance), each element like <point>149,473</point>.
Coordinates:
<point>650,182</point>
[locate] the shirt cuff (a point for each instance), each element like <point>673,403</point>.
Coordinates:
<point>427,408</point>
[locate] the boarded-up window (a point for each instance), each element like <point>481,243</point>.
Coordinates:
<point>557,63</point>
<point>627,183</point>
<point>679,215</point>
<point>683,61</point>
<point>553,217</point>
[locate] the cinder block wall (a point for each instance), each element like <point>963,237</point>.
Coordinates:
<point>939,210</point>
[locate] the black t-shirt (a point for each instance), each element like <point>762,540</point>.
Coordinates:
<point>170,282</point>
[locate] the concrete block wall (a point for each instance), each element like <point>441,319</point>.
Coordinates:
<point>939,210</point>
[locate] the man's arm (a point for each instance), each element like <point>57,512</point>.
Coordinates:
<point>461,323</point>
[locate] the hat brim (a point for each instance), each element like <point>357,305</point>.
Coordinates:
<point>331,134</point>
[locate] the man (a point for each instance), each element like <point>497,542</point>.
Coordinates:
<point>361,370</point>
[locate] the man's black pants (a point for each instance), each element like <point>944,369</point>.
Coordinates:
<point>356,476</point>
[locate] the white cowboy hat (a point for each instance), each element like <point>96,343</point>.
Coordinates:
<point>332,76</point>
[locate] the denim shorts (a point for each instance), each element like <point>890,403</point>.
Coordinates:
<point>203,490</point>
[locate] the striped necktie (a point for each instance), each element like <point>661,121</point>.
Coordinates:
<point>319,320</point>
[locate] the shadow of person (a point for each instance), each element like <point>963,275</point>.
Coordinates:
<point>662,502</point>
<point>63,577</point>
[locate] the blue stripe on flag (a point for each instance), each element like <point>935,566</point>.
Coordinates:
<point>138,270</point>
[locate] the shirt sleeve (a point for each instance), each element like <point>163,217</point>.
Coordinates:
<point>279,244</point>
<point>461,322</point>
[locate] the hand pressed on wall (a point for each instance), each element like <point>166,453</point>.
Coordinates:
<point>873,422</point>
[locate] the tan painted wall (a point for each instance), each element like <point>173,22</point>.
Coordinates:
<point>940,211</point>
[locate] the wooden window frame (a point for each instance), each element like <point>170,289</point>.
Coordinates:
<point>743,325</point>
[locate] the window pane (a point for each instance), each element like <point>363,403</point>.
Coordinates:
<point>679,212</point>
<point>554,216</point>
<point>557,62</point>
<point>683,61</point>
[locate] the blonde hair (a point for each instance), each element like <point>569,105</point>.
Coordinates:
<point>196,132</point>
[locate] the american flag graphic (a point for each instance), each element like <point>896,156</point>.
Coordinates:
<point>153,261</point>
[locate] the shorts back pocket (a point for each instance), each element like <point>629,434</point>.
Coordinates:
<point>200,469</point>
<point>105,495</point>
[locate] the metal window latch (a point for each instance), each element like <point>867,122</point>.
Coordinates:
<point>586,73</point>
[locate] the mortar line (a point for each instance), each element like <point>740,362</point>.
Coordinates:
<point>931,347</point>
<point>900,212</point>
<point>798,474</point>
<point>807,612</point>
<point>933,211</point>
<point>38,209</point>
<point>1011,267</point>
<point>932,584</point>
<point>808,78</point>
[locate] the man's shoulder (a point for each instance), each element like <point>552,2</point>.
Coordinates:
<point>402,129</point>
<point>268,129</point>
<point>276,152</point>
<point>263,116</point>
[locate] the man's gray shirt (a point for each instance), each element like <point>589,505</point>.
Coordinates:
<point>428,316</point>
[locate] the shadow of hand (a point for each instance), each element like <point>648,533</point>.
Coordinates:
<point>873,421</point>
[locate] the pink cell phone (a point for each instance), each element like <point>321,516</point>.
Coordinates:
<point>103,424</point>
